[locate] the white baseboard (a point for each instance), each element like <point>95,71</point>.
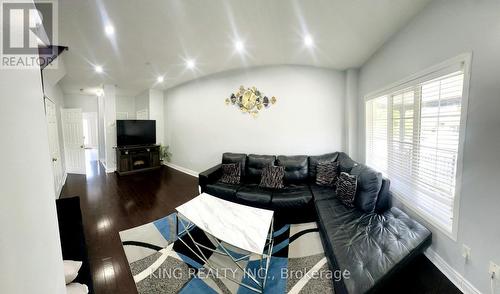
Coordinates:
<point>182,169</point>
<point>75,171</point>
<point>455,277</point>
<point>106,169</point>
<point>102,163</point>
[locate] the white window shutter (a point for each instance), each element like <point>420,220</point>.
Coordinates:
<point>412,136</point>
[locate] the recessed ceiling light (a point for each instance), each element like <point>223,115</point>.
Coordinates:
<point>160,79</point>
<point>190,63</point>
<point>109,30</point>
<point>98,69</point>
<point>239,46</point>
<point>308,41</point>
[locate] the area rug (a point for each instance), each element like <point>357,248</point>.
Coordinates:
<point>160,263</point>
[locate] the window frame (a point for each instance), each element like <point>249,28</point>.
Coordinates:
<point>463,60</point>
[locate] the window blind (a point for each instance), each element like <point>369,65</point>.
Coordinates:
<point>412,136</point>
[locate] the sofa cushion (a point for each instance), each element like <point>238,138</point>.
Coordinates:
<point>296,169</point>
<point>256,164</point>
<point>368,245</point>
<point>222,190</point>
<point>272,177</point>
<point>236,158</point>
<point>293,196</point>
<point>253,195</point>
<point>314,160</point>
<point>231,173</point>
<point>346,189</point>
<point>327,173</point>
<point>322,192</point>
<point>369,184</point>
<point>345,163</point>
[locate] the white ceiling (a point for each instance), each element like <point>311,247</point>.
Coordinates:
<point>155,37</point>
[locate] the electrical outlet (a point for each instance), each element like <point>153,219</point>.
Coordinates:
<point>466,252</point>
<point>494,268</point>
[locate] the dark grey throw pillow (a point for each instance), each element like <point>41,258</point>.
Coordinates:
<point>327,173</point>
<point>346,188</point>
<point>272,177</point>
<point>231,173</point>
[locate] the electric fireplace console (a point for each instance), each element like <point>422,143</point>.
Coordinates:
<point>133,159</point>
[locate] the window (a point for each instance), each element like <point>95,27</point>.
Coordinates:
<point>413,134</point>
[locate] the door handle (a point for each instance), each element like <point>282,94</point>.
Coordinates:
<point>54,159</point>
<point>81,146</point>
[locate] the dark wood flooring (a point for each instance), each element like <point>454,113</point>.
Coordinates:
<point>420,276</point>
<point>111,204</point>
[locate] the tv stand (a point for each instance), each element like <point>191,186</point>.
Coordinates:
<point>133,159</point>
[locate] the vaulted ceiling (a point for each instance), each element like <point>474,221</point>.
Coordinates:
<point>157,37</point>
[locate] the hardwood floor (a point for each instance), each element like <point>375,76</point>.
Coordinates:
<point>420,276</point>
<point>111,203</point>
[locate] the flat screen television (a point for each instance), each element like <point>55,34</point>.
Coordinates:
<point>135,132</point>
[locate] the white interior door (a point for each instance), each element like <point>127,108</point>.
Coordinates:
<point>90,129</point>
<point>55,153</point>
<point>72,123</point>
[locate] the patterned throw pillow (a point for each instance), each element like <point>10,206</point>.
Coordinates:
<point>272,177</point>
<point>346,188</point>
<point>231,173</point>
<point>327,173</point>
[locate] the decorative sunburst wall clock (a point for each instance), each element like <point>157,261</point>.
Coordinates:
<point>250,100</point>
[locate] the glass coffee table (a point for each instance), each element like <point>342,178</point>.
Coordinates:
<point>247,228</point>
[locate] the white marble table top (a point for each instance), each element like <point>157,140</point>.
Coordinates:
<point>242,226</point>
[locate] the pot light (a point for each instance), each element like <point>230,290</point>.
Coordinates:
<point>239,46</point>
<point>190,63</point>
<point>98,69</point>
<point>109,30</point>
<point>160,79</point>
<point>308,41</point>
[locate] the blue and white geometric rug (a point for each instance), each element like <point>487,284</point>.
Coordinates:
<point>160,263</point>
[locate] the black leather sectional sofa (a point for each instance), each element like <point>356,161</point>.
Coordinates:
<point>73,243</point>
<point>371,241</point>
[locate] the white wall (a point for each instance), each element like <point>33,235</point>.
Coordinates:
<point>156,112</point>
<point>307,119</point>
<point>351,113</point>
<point>88,103</point>
<point>444,30</point>
<point>30,249</point>
<point>142,101</point>
<point>126,104</point>
<point>100,129</point>
<point>110,126</point>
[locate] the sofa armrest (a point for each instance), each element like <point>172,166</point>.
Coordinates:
<point>209,176</point>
